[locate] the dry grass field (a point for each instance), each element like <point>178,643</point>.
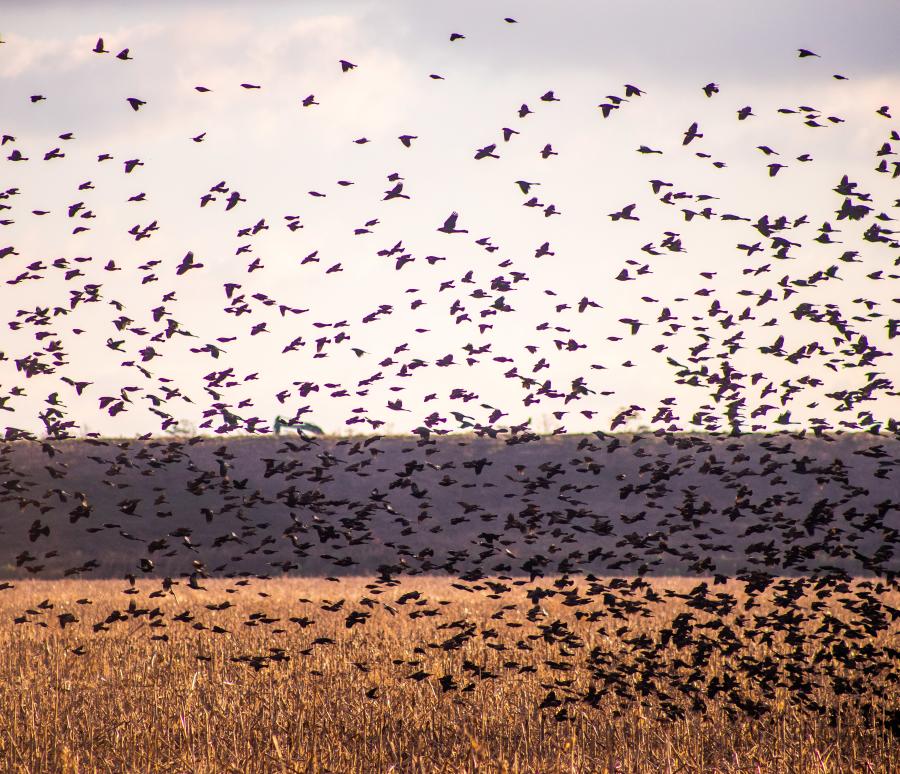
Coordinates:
<point>151,693</point>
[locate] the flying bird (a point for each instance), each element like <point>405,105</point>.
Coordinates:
<point>626,213</point>
<point>449,226</point>
<point>691,134</point>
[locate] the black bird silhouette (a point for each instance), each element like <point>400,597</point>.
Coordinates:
<point>487,152</point>
<point>691,134</point>
<point>449,226</point>
<point>625,213</point>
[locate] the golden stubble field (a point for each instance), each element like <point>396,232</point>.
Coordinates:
<point>312,695</point>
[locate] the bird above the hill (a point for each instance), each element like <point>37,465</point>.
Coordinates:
<point>691,134</point>
<point>449,226</point>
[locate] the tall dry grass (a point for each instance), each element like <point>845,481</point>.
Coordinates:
<point>134,704</point>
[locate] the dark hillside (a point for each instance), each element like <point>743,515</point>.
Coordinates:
<point>668,504</point>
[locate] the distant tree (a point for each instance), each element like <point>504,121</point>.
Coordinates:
<point>182,427</point>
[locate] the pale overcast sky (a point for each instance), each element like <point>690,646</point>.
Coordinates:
<point>264,144</point>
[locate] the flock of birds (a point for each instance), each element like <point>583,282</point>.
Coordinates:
<point>796,550</point>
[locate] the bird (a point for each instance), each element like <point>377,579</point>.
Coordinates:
<point>606,108</point>
<point>187,263</point>
<point>396,192</point>
<point>543,250</point>
<point>626,213</point>
<point>487,152</point>
<point>449,226</point>
<point>691,134</point>
<point>136,104</point>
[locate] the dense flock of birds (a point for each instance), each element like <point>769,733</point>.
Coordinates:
<point>548,541</point>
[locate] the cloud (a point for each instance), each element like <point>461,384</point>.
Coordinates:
<point>25,55</point>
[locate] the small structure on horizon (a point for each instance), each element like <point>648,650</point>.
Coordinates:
<point>302,428</point>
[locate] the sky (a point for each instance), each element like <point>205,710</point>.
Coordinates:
<point>366,334</point>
